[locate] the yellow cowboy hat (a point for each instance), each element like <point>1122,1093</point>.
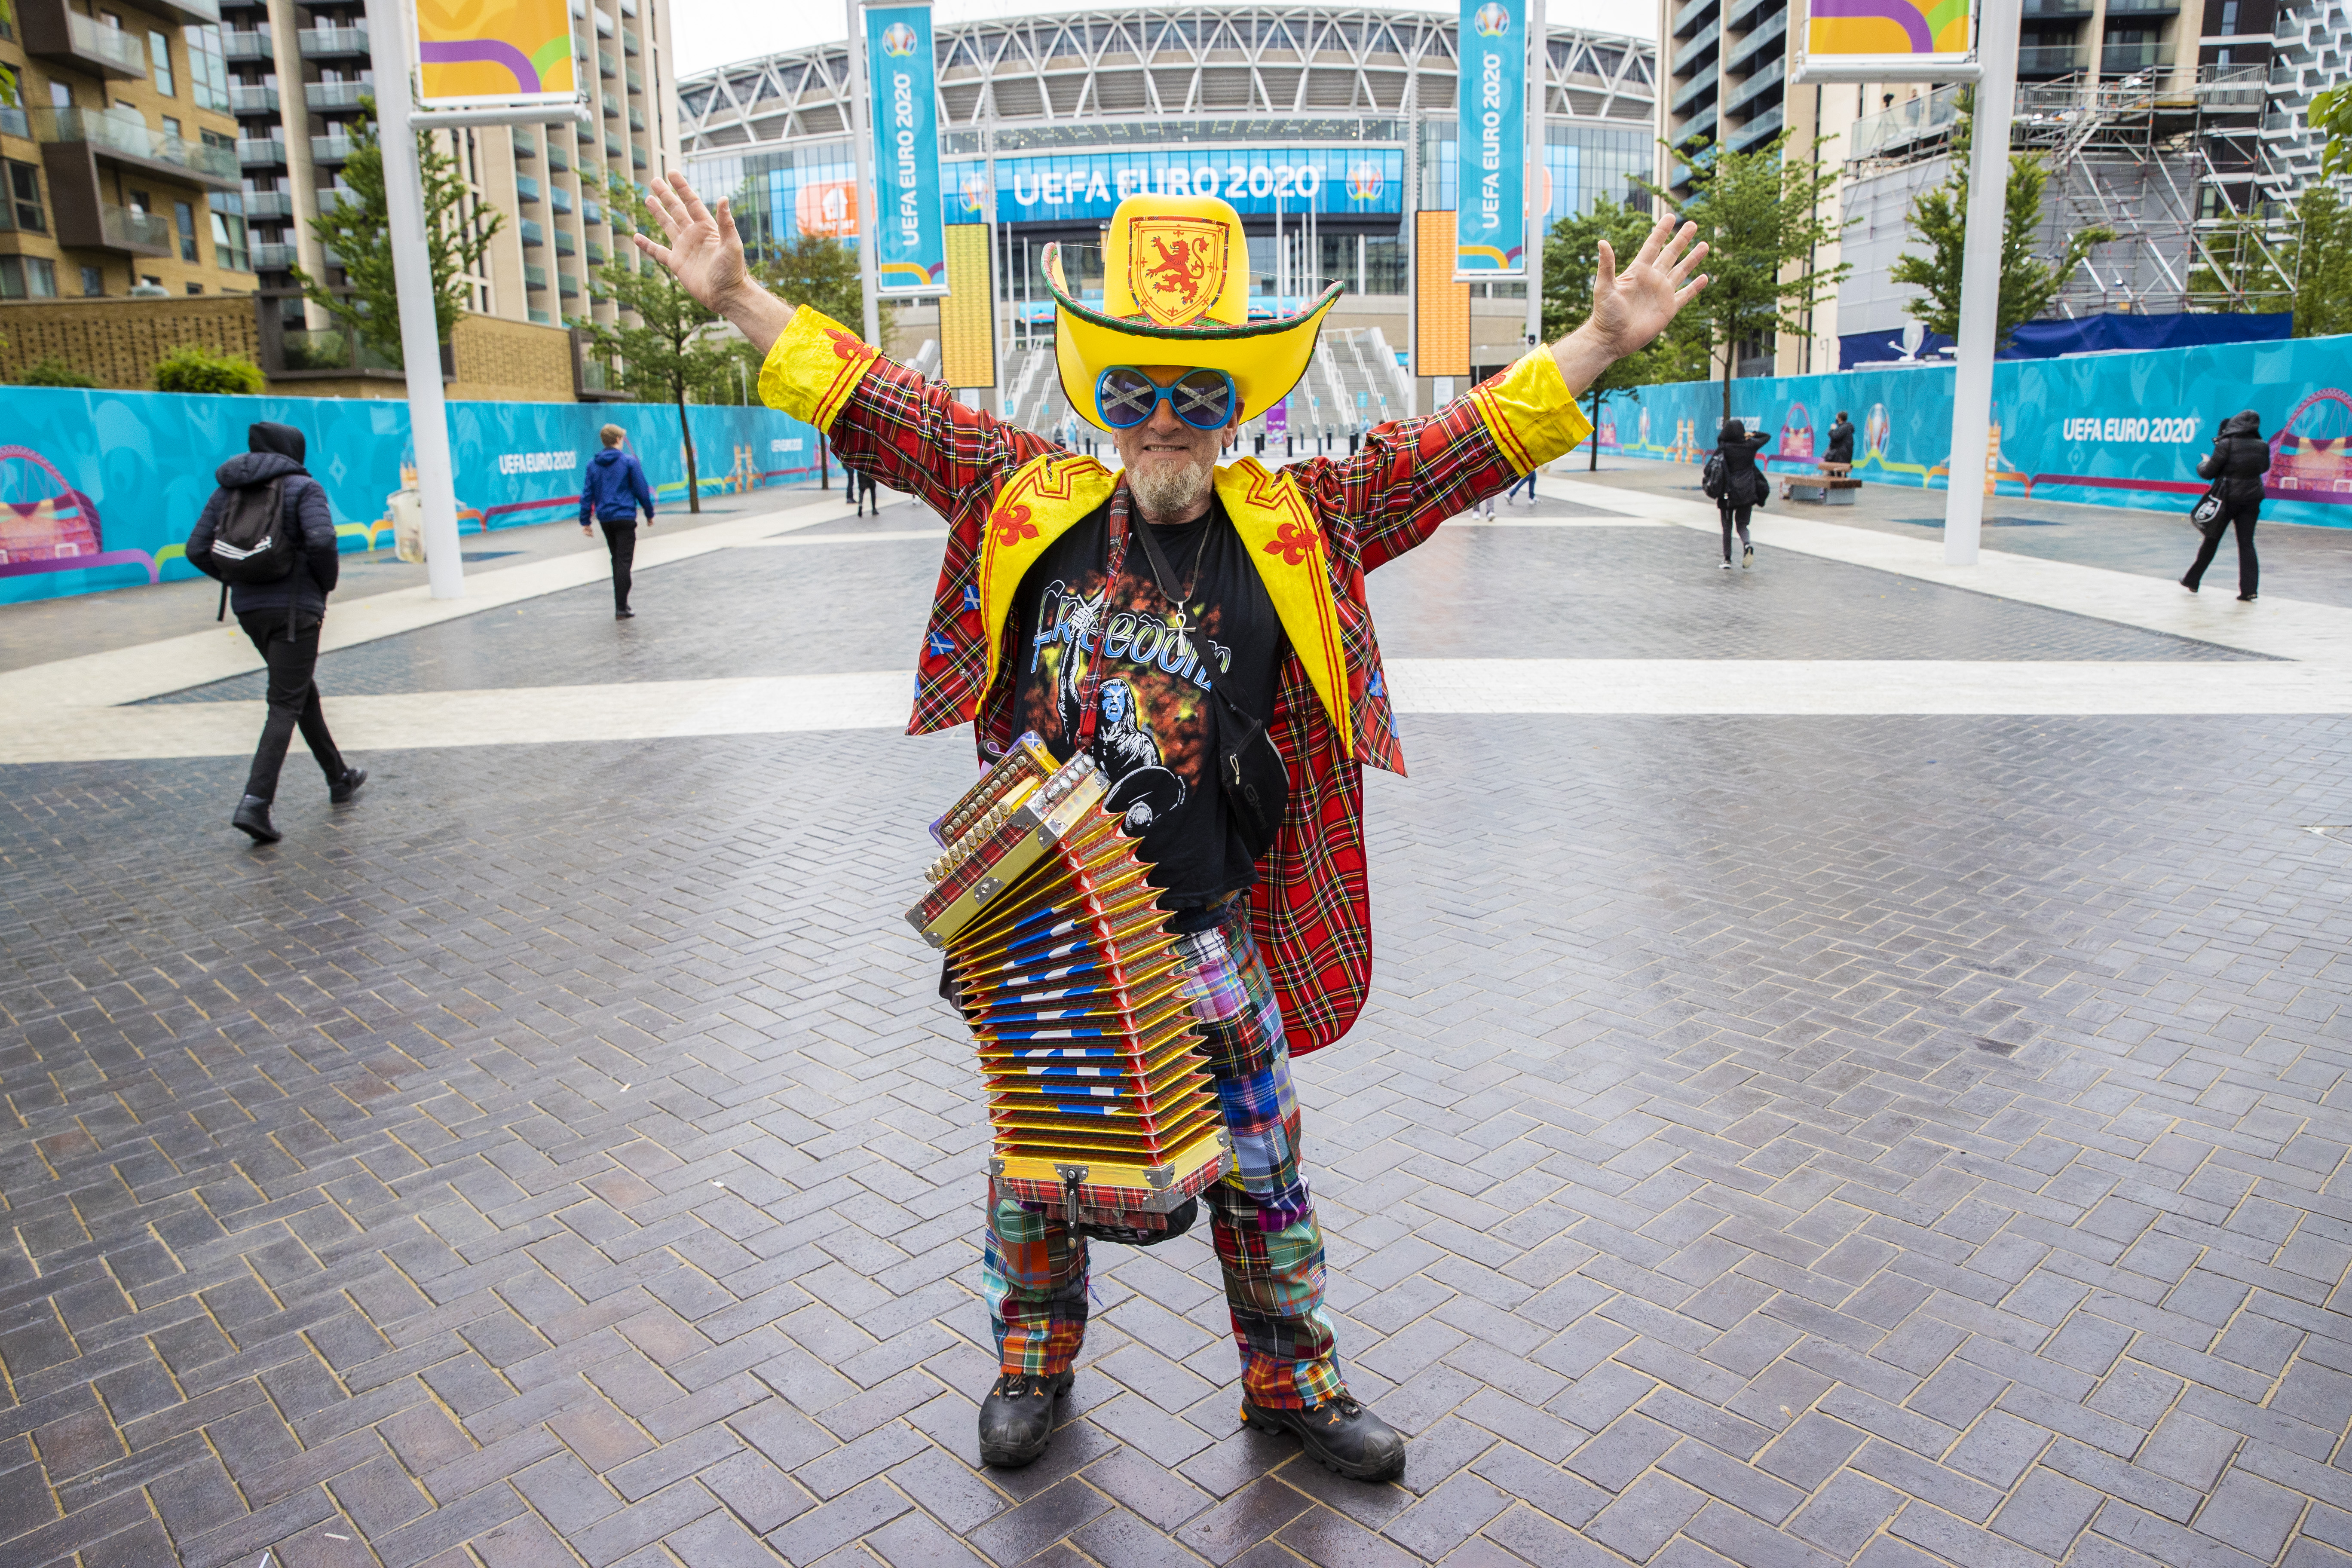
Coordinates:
<point>1176,291</point>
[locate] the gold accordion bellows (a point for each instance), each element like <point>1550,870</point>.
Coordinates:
<point>1071,983</point>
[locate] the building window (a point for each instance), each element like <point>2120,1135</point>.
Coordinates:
<point>22,209</point>
<point>209,67</point>
<point>93,281</point>
<point>195,288</point>
<point>61,95</point>
<point>228,240</point>
<point>184,214</point>
<point>27,277</point>
<point>159,52</point>
<point>2229,17</point>
<point>172,128</point>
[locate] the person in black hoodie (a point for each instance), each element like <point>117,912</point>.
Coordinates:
<point>2239,460</point>
<point>283,619</point>
<point>1743,487</point>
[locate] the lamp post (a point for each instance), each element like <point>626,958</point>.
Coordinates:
<point>1997,30</point>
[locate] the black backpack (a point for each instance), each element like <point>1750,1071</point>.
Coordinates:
<point>1711,476</point>
<point>257,541</point>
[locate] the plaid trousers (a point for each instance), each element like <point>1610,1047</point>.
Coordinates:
<point>1033,1271</point>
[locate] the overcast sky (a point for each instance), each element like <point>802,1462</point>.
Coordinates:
<point>720,32</point>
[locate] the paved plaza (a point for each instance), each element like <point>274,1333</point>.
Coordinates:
<point>1855,1074</point>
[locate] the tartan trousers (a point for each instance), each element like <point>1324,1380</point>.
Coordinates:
<point>1261,1221</point>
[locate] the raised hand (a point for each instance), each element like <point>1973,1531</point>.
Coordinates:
<point>706,256</point>
<point>1630,308</point>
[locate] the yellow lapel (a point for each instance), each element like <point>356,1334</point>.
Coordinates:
<point>1036,506</point>
<point>1286,544</point>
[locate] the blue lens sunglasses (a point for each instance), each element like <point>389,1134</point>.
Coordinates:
<point>1125,397</point>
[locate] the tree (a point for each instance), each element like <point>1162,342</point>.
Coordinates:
<point>2331,115</point>
<point>818,272</point>
<point>190,368</point>
<point>1761,215</point>
<point>2322,254</point>
<point>1939,214</point>
<point>1571,257</point>
<point>457,231</point>
<point>670,352</point>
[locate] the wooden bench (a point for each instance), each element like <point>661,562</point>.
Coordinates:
<point>1831,484</point>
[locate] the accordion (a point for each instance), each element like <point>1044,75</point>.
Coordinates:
<point>1061,961</point>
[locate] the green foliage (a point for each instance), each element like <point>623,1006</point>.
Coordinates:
<point>55,372</point>
<point>1572,260</point>
<point>2331,115</point>
<point>2323,278</point>
<point>1940,215</point>
<point>818,272</point>
<point>191,369</point>
<point>670,352</point>
<point>1761,215</point>
<point>359,232</point>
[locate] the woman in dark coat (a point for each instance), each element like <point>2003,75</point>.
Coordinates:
<point>1743,486</point>
<point>2239,460</point>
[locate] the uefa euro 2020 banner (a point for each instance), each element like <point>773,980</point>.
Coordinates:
<point>909,252</point>
<point>494,51</point>
<point>2121,429</point>
<point>1491,97</point>
<point>98,489</point>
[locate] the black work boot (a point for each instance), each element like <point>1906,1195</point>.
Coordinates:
<point>1016,1420</point>
<point>1339,1435</point>
<point>346,786</point>
<point>253,818</point>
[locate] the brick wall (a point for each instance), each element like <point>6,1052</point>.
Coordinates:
<point>510,362</point>
<point>119,340</point>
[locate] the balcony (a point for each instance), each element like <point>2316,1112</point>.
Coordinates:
<point>1914,120</point>
<point>636,82</point>
<point>606,65</point>
<point>526,145</point>
<point>245,48</point>
<point>125,231</point>
<point>267,204</point>
<point>1699,88</point>
<point>565,245</point>
<point>1764,82</point>
<point>567,285</point>
<point>2142,7</point>
<point>331,151</point>
<point>533,276</point>
<point>120,137</point>
<point>253,101</point>
<point>605,23</point>
<point>532,234</point>
<point>612,145</point>
<point>1701,47</point>
<point>260,153</point>
<point>331,96</point>
<point>1756,132</point>
<point>526,188</point>
<point>559,198</point>
<point>1701,124</point>
<point>188,13</point>
<point>541,318</point>
<point>332,43</point>
<point>557,159</point>
<point>2056,10</point>
<point>591,211</point>
<point>630,46</point>
<point>636,118</point>
<point>1693,13</point>
<point>273,257</point>
<point>53,33</point>
<point>2050,59</point>
<point>2123,59</point>
<point>612,106</point>
<point>637,157</point>
<point>1765,41</point>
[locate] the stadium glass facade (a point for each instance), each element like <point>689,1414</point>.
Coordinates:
<point>1325,128</point>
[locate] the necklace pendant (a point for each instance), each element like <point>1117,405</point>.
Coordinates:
<point>1175,620</point>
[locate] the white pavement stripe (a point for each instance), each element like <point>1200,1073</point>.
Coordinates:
<point>1558,521</point>
<point>2284,628</point>
<point>879,701</point>
<point>175,664</point>
<point>798,540</point>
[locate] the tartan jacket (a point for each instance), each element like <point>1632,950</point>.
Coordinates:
<point>1314,530</point>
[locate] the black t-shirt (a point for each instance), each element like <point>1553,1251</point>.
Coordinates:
<point>1155,730</point>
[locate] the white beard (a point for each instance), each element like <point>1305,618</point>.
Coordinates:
<point>1169,495</point>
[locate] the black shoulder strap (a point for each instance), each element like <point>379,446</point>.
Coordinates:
<point>1163,572</point>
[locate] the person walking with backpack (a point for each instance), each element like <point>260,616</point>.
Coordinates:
<point>612,492</point>
<point>1736,485</point>
<point>267,535</point>
<point>2236,465</point>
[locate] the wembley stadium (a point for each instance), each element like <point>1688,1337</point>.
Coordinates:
<point>1326,126</point>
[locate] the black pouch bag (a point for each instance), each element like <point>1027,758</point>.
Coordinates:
<point>1251,774</point>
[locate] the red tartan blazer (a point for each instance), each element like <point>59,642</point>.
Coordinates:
<point>1311,907</point>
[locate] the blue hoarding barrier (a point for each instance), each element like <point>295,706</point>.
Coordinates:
<point>2108,429</point>
<point>2113,332</point>
<point>98,489</point>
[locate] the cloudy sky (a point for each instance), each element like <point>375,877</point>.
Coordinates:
<point>719,32</point>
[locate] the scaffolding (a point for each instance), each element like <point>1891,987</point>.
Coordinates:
<point>2172,162</point>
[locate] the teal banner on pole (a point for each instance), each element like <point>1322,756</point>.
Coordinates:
<point>1491,91</point>
<point>911,251</point>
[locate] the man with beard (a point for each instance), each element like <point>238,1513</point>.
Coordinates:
<point>1248,580</point>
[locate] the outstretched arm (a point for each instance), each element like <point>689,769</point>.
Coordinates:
<point>1630,308</point>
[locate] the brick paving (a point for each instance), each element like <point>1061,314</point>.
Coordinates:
<point>1890,1141</point>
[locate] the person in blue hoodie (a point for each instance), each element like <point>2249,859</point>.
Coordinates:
<point>283,617</point>
<point>612,492</point>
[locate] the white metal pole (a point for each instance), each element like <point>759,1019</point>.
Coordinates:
<point>412,276</point>
<point>1996,98</point>
<point>867,229</point>
<point>1539,68</point>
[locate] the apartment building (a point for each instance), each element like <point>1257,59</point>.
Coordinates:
<point>117,153</point>
<point>297,73</point>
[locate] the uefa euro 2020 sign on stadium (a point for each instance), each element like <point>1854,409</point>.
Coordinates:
<point>1491,98</point>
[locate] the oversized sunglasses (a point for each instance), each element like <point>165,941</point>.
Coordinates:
<point>1126,397</point>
